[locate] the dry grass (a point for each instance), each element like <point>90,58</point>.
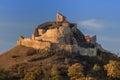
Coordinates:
<point>15,56</point>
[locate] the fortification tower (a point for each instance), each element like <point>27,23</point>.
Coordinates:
<point>60,17</point>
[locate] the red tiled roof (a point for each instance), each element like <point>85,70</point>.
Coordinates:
<point>65,21</point>
<point>87,37</point>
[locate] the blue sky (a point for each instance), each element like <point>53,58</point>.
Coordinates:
<point>94,17</point>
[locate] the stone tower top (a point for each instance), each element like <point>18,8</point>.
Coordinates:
<point>60,17</point>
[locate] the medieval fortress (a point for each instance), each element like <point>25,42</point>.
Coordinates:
<point>61,34</point>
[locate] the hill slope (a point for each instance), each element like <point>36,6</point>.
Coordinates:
<point>31,60</point>
<point>58,51</point>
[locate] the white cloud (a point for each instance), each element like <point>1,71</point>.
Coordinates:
<point>91,24</point>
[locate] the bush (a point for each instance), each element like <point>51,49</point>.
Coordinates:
<point>113,69</point>
<point>35,75</point>
<point>75,71</point>
<point>3,74</point>
<point>21,71</point>
<point>56,74</point>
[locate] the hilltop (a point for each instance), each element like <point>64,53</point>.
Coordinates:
<point>58,50</point>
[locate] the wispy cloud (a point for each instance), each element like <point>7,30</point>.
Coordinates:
<point>91,24</point>
<point>110,43</point>
<point>109,39</point>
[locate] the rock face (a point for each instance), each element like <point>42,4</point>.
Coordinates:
<point>59,35</point>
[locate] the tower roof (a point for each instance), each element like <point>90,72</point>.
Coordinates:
<point>61,14</point>
<point>87,37</point>
<point>65,21</point>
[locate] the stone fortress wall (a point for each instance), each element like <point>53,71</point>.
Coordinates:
<point>33,43</point>
<point>56,38</point>
<point>69,48</point>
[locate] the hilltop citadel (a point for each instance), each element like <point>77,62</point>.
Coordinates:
<point>63,35</point>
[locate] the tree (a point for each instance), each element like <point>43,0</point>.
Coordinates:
<point>2,74</point>
<point>35,75</point>
<point>113,69</point>
<point>86,78</point>
<point>56,74</point>
<point>97,72</point>
<point>75,71</point>
<point>96,67</point>
<point>21,71</point>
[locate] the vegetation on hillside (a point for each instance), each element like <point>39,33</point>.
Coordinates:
<point>58,65</point>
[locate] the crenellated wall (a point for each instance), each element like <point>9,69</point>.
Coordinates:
<point>33,43</point>
<point>85,51</point>
<point>69,48</point>
<point>78,49</point>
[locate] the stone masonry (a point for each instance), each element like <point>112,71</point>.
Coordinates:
<point>62,36</point>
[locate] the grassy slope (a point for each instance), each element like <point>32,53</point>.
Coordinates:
<point>14,56</point>
<point>28,56</point>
